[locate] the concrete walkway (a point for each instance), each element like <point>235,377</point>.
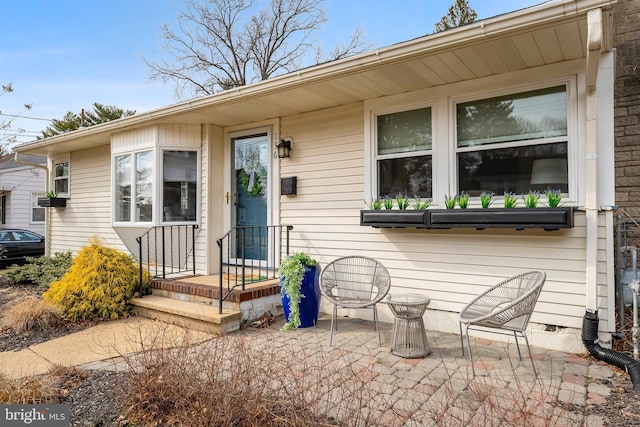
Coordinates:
<point>104,342</point>
<point>405,392</point>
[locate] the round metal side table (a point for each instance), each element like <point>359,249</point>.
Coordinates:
<point>409,336</point>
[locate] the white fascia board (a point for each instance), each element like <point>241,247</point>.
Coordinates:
<point>536,16</point>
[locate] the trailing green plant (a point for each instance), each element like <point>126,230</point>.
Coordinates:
<point>449,201</point>
<point>291,272</point>
<point>510,200</point>
<point>463,200</point>
<point>41,271</point>
<point>376,204</point>
<point>420,204</point>
<point>486,199</point>
<point>531,199</point>
<point>387,202</point>
<point>98,285</point>
<point>554,197</point>
<point>51,194</point>
<point>402,201</point>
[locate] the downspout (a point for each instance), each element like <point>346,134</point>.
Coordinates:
<point>590,321</point>
<point>47,222</point>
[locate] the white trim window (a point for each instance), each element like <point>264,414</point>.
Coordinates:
<point>403,152</point>
<point>137,198</point>
<point>134,183</point>
<point>37,212</point>
<point>513,143</point>
<point>61,177</point>
<point>179,186</point>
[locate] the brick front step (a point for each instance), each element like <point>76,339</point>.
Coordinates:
<point>195,300</point>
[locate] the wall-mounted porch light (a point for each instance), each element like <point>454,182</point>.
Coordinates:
<point>283,148</point>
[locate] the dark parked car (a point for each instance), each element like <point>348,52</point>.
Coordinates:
<point>17,244</point>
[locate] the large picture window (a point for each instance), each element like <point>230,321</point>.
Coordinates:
<point>404,153</point>
<point>179,185</point>
<point>135,193</point>
<point>513,143</point>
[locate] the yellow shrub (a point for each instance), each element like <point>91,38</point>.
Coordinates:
<point>98,285</point>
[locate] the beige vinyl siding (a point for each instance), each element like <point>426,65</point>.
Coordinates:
<point>451,266</point>
<point>134,139</point>
<point>88,211</point>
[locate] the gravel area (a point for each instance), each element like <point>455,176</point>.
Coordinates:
<point>96,396</point>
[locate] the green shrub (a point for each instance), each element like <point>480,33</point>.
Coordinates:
<point>41,271</point>
<point>98,285</point>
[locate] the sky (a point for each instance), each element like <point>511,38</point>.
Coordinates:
<point>65,55</point>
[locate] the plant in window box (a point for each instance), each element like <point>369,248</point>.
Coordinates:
<point>402,201</point>
<point>554,197</point>
<point>387,202</point>
<point>51,200</point>
<point>486,199</point>
<point>300,290</point>
<point>388,217</point>
<point>375,205</point>
<point>463,200</point>
<point>510,200</point>
<point>449,201</point>
<point>419,204</point>
<point>531,199</point>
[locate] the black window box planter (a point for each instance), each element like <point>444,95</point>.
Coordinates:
<point>518,218</point>
<point>52,202</point>
<point>394,218</point>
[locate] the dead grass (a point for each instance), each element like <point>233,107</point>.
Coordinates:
<point>248,382</point>
<point>29,314</point>
<point>41,389</point>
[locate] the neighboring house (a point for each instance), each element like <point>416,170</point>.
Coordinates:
<point>413,117</point>
<point>20,186</point>
<point>627,107</point>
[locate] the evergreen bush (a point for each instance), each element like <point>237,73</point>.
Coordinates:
<point>98,285</point>
<point>41,271</point>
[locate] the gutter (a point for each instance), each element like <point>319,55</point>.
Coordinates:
<point>539,15</point>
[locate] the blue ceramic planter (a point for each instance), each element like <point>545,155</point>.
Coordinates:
<point>310,304</point>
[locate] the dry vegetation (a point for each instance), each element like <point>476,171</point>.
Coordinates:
<point>30,313</point>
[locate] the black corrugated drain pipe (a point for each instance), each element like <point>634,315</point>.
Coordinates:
<point>589,338</point>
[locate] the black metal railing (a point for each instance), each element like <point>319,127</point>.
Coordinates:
<point>167,249</point>
<point>250,254</point>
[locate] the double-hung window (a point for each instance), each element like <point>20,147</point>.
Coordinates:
<point>134,187</point>
<point>37,212</point>
<point>61,177</point>
<point>514,143</point>
<point>403,153</point>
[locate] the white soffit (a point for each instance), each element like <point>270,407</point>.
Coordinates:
<point>549,33</point>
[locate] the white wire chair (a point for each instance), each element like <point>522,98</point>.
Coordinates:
<point>354,282</point>
<point>504,309</point>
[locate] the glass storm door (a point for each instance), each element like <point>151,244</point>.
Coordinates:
<point>249,211</point>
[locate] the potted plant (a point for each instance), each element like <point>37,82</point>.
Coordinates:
<point>300,290</point>
<point>51,200</point>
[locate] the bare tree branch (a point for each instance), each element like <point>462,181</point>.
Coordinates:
<point>221,44</point>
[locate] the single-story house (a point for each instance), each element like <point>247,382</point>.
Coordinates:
<point>480,108</point>
<point>20,186</point>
